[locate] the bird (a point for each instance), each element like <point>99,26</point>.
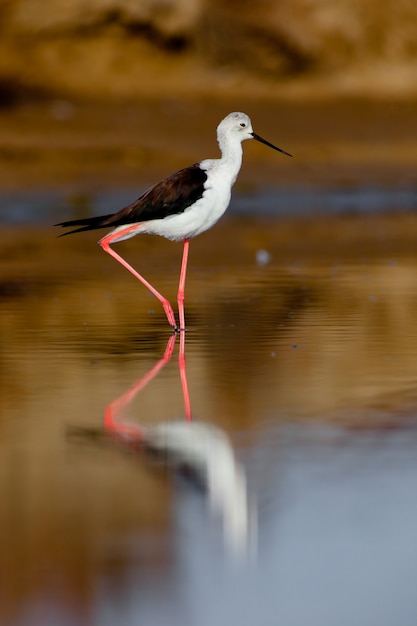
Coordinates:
<point>179,207</point>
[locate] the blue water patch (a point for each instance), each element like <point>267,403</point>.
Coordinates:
<point>307,201</point>
<point>52,207</point>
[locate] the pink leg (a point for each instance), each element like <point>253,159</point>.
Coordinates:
<point>183,374</point>
<point>105,244</point>
<point>119,429</point>
<point>181,286</point>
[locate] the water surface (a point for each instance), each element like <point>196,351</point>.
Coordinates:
<point>301,348</point>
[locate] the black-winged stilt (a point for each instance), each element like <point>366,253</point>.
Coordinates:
<point>181,206</point>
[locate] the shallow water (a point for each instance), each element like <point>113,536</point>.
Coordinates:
<point>301,351</point>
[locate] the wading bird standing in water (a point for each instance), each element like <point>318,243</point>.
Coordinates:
<point>181,206</point>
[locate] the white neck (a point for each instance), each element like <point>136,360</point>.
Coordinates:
<point>231,149</point>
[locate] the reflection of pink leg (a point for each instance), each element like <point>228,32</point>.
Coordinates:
<point>181,286</point>
<point>105,244</point>
<point>124,430</point>
<point>183,374</point>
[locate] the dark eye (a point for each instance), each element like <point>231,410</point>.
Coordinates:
<point>243,125</point>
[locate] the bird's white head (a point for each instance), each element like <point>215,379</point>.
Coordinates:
<point>238,127</point>
<point>235,125</point>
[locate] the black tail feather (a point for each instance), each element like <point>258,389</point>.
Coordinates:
<point>89,223</point>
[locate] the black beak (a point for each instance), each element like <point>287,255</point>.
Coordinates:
<point>255,136</point>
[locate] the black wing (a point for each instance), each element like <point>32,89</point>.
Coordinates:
<point>169,197</point>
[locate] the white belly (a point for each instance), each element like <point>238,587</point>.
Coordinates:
<point>195,220</point>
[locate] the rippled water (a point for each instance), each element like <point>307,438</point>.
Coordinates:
<point>295,504</point>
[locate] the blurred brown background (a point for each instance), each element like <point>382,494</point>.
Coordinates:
<point>132,48</point>
<point>124,91</point>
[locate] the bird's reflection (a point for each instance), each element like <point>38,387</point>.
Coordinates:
<point>200,448</point>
